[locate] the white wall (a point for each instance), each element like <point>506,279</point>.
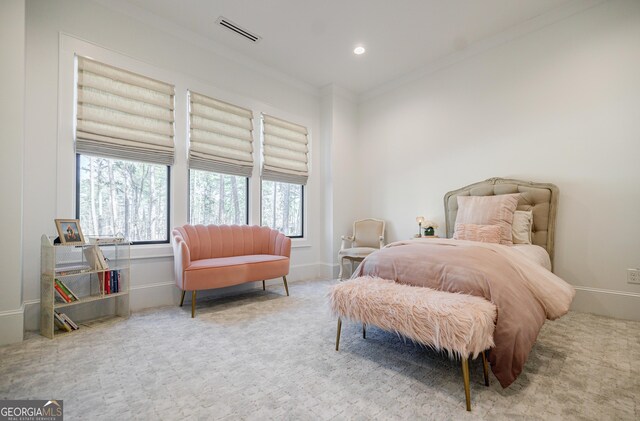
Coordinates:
<point>55,30</point>
<point>12,51</point>
<point>343,162</point>
<point>559,105</point>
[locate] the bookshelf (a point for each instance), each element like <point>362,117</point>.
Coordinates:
<point>77,271</point>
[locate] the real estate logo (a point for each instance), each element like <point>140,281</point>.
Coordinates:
<point>31,410</point>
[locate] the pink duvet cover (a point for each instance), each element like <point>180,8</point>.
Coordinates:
<point>524,292</point>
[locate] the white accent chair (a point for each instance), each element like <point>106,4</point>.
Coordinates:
<point>368,236</point>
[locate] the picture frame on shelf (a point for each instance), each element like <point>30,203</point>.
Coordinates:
<point>69,231</point>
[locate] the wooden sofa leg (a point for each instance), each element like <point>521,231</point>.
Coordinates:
<point>286,287</point>
<point>193,304</point>
<point>485,368</point>
<point>338,333</point>
<point>182,298</point>
<point>364,331</point>
<point>465,377</point>
<point>264,287</point>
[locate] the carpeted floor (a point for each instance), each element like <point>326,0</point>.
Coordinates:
<point>266,356</point>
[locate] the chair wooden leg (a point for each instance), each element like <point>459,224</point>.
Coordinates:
<point>465,377</point>
<point>182,298</point>
<point>264,287</point>
<point>341,269</point>
<point>364,331</point>
<point>338,333</point>
<point>485,368</point>
<point>286,287</point>
<point>193,304</point>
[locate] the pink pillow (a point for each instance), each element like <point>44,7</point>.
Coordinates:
<point>489,210</point>
<point>482,233</point>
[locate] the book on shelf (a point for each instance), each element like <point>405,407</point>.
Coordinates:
<point>67,290</point>
<point>64,322</point>
<point>59,298</point>
<point>95,258</point>
<point>107,282</point>
<point>70,322</point>
<point>70,269</point>
<point>115,276</point>
<point>61,293</point>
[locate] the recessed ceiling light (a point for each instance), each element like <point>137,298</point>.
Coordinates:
<point>359,50</point>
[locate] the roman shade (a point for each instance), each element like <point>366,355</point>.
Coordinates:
<point>123,115</point>
<point>285,151</point>
<point>220,136</point>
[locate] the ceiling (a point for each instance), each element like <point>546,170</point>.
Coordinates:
<point>313,41</point>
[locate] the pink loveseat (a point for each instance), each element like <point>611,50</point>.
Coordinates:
<point>216,256</point>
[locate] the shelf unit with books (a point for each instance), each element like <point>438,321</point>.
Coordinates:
<point>81,275</point>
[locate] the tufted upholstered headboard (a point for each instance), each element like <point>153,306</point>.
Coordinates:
<point>542,198</point>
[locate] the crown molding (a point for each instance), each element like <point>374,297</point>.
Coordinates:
<point>532,25</point>
<point>338,91</point>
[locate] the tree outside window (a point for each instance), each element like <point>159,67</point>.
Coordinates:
<point>282,207</point>
<point>217,198</point>
<point>123,197</point>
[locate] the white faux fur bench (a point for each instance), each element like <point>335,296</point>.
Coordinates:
<point>462,325</point>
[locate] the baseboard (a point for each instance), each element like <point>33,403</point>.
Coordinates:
<point>605,302</point>
<point>165,293</point>
<point>333,269</point>
<point>610,303</point>
<point>11,326</point>
<point>310,271</point>
<point>153,295</point>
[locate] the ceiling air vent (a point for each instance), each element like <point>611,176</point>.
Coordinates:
<point>226,23</point>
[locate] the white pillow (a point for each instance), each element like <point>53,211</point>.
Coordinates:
<point>522,227</point>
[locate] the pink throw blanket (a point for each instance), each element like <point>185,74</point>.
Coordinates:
<point>524,292</point>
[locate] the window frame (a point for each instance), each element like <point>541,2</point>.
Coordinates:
<point>189,193</point>
<point>134,243</point>
<point>302,211</point>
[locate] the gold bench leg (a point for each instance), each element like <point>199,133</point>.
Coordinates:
<point>485,368</point>
<point>182,298</point>
<point>465,376</point>
<point>286,288</point>
<point>193,303</point>
<point>338,333</point>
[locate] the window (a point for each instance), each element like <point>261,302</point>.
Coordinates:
<point>124,146</point>
<point>285,169</point>
<point>217,198</point>
<point>282,207</point>
<point>117,196</point>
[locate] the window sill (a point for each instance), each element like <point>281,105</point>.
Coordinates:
<point>300,243</point>
<point>159,251</point>
<point>151,251</point>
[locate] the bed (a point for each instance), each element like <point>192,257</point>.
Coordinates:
<point>517,279</point>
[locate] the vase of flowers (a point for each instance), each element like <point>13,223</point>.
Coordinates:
<point>429,228</point>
